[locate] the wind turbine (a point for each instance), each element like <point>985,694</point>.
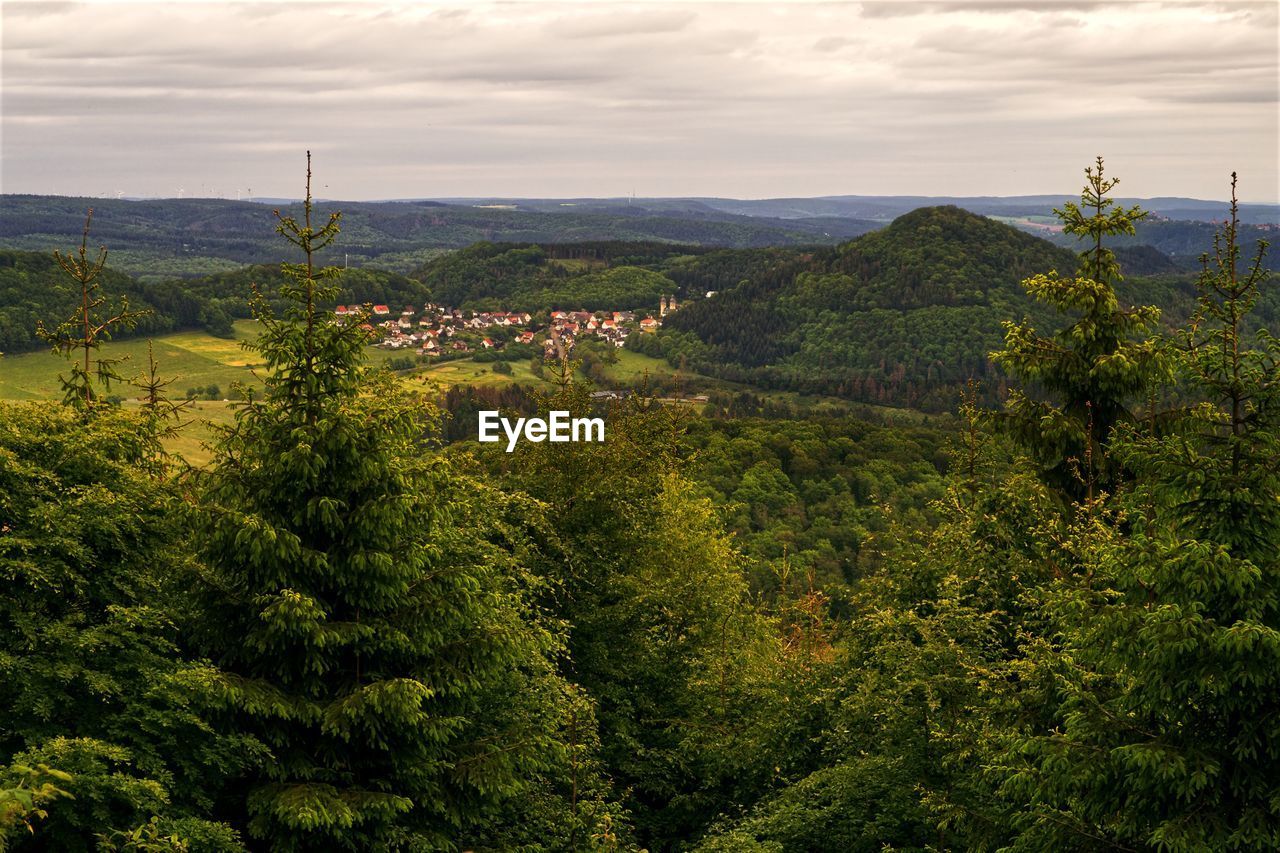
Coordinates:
<point>181,190</point>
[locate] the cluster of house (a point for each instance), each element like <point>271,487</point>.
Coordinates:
<point>437,329</point>
<point>568,326</point>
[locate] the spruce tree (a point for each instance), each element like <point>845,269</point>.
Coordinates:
<point>375,645</point>
<point>95,684</point>
<point>82,334</point>
<point>1166,731</point>
<point>1084,379</point>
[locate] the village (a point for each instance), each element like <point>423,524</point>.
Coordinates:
<point>437,330</point>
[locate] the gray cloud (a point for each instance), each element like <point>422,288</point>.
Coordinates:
<point>667,99</point>
<point>626,24</point>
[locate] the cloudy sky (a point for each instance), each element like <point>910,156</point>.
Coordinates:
<point>426,99</point>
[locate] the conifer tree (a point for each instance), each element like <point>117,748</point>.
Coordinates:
<point>162,413</point>
<point>372,643</point>
<point>1167,724</point>
<point>95,684</point>
<point>1088,374</point>
<point>83,333</point>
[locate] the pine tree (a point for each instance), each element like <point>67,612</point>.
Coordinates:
<point>163,414</point>
<point>96,685</point>
<point>1091,371</point>
<point>376,646</point>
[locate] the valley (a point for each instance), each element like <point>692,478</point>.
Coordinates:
<point>799,485</point>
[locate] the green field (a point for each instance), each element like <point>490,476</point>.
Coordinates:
<point>198,360</point>
<point>194,359</point>
<point>468,372</point>
<point>633,366</point>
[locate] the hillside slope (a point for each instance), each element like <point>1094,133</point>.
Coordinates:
<point>904,315</point>
<point>34,289</point>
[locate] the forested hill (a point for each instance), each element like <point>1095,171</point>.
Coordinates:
<point>197,236</point>
<point>1181,242</point>
<point>33,289</point>
<point>596,276</point>
<point>904,315</point>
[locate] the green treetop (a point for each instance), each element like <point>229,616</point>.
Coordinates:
<point>1166,733</point>
<point>1088,374</point>
<point>367,639</point>
<point>81,335</point>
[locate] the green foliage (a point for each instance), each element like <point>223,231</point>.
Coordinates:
<point>33,291</point>
<point>1038,675</point>
<point>1165,675</point>
<point>367,628</point>
<point>896,728</point>
<point>788,631</point>
<point>95,684</point>
<point>814,490</point>
<point>24,791</point>
<point>232,290</point>
<point>655,599</point>
<point>903,316</point>
<point>536,278</point>
<point>1090,372</point>
<point>147,838</point>
<point>164,416</point>
<point>80,336</point>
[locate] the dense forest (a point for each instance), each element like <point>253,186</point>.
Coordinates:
<point>33,291</point>
<point>903,316</point>
<point>1051,624</point>
<point>531,277</point>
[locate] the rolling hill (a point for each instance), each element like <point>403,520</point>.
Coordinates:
<point>904,316</point>
<point>162,237</point>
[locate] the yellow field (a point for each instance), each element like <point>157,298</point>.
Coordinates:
<point>199,360</point>
<point>195,359</point>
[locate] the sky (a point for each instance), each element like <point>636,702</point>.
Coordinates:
<point>562,100</point>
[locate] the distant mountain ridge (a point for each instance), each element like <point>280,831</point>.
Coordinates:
<point>881,208</point>
<point>161,238</point>
<point>201,236</point>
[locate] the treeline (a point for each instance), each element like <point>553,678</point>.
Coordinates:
<point>796,489</point>
<point>532,277</point>
<point>197,236</point>
<point>33,290</point>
